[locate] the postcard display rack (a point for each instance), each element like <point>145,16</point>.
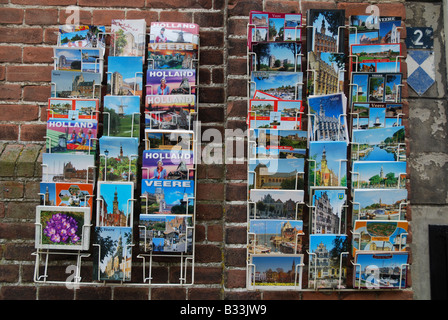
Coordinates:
<point>89,182</point>
<point>313,150</point>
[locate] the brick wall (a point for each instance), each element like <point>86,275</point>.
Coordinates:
<point>28,33</point>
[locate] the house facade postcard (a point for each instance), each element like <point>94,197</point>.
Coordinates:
<point>115,205</point>
<point>329,213</point>
<point>276,204</point>
<point>75,84</point>
<point>125,76</point>
<point>280,144</point>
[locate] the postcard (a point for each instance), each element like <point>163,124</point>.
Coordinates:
<point>276,56</point>
<point>57,167</point>
<point>166,233</point>
<point>377,270</point>
<point>275,114</point>
<point>325,73</point>
<point>274,236</point>
<point>371,29</point>
<point>112,257</point>
<point>276,271</point>
<point>328,120</point>
<point>382,144</point>
<point>78,59</point>
<point>73,109</point>
<point>379,204</point>
<point>174,32</point>
<point>161,196</point>
<point>169,139</point>
<point>162,55</point>
<point>278,144</point>
<point>276,204</point>
<point>284,174</point>
<point>168,164</point>
<point>328,261</point>
<point>327,164</point>
<point>128,37</point>
<point>372,115</point>
<point>284,85</point>
<point>73,84</point>
<point>329,214</point>
<point>66,194</point>
<point>115,205</point>
<point>121,116</point>
<point>375,87</point>
<point>166,81</point>
<point>270,26</point>
<point>125,76</point>
<point>379,174</point>
<point>177,111</point>
<point>118,159</point>
<point>327,31</point>
<point>375,57</point>
<point>66,228</point>
<point>377,235</point>
<point>71,136</point>
<point>82,36</point>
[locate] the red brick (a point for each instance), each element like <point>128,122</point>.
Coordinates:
<point>236,235</point>
<point>9,273</point>
<point>209,19</point>
<point>17,112</point>
<point>207,212</point>
<point>11,189</point>
<point>33,132</point>
<point>2,73</point>
<point>41,16</point>
<point>36,93</point>
<point>207,275</point>
<point>15,231</point>
<point>85,17</point>
<point>38,55</point>
<point>283,6</point>
<point>175,4</point>
<point>207,253</point>
<point>10,54</point>
<point>11,15</point>
<point>282,295</point>
<point>104,17</point>
<point>18,293</point>
<point>130,293</point>
<point>168,294</point>
<point>235,279</point>
<point>51,36</point>
<point>9,132</point>
<point>10,91</point>
<point>112,3</point>
<point>21,35</point>
<point>204,294</point>
<point>235,257</point>
<point>236,213</point>
<point>176,16</point>
<point>56,293</point>
<point>45,2</point>
<point>210,191</point>
<point>28,73</point>
<point>215,233</point>
<point>149,16</point>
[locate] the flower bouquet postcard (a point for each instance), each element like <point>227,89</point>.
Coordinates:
<point>71,136</point>
<point>128,37</point>
<point>73,109</point>
<point>82,36</point>
<point>275,271</point>
<point>327,164</point>
<point>374,115</point>
<point>375,87</point>
<point>378,270</point>
<point>379,204</point>
<point>174,32</point>
<point>162,55</point>
<point>177,111</point>
<point>162,196</point>
<point>125,76</point>
<point>166,233</point>
<point>325,73</point>
<point>118,159</point>
<point>58,167</point>
<point>66,194</point>
<point>284,85</point>
<point>276,56</point>
<point>328,118</point>
<point>284,174</point>
<point>371,29</point>
<point>271,26</point>
<point>78,59</point>
<point>169,140</point>
<point>276,204</point>
<point>326,30</point>
<point>278,144</point>
<point>275,236</point>
<point>74,84</point>
<point>375,57</point>
<point>328,261</point>
<point>115,204</point>
<point>65,228</point>
<point>112,257</point>
<point>122,116</point>
<point>329,214</point>
<point>377,235</point>
<point>170,165</point>
<point>275,114</point>
<point>379,174</point>
<point>170,82</point>
<point>383,144</point>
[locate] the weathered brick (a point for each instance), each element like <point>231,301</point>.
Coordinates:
<point>11,15</point>
<point>11,189</point>
<point>21,35</point>
<point>41,16</point>
<point>28,73</point>
<point>38,55</point>
<point>18,112</point>
<point>10,54</point>
<point>8,159</point>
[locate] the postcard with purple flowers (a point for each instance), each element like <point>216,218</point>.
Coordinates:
<point>65,228</point>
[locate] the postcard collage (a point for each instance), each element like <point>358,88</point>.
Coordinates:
<point>94,157</point>
<point>326,172</point>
